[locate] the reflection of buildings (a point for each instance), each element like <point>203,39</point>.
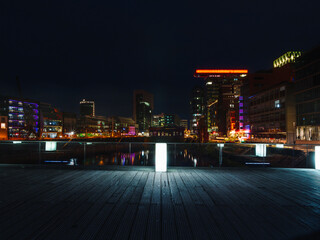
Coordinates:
<point>197,104</point>
<point>19,118</point>
<point>51,121</point>
<point>142,109</point>
<point>87,108</point>
<point>222,92</point>
<point>122,126</point>
<point>308,96</point>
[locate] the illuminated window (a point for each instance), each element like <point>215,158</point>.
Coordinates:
<point>277,103</point>
<point>3,126</point>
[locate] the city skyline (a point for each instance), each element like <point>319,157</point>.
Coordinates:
<point>104,52</point>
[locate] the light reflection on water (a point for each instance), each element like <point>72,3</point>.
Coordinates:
<point>141,158</point>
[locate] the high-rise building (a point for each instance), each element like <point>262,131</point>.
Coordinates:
<point>198,108</point>
<point>307,94</point>
<point>142,109</point>
<point>87,108</point>
<point>222,92</point>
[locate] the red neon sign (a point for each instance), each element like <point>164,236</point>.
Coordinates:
<point>221,71</point>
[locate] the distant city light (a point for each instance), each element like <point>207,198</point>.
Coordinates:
<point>221,71</point>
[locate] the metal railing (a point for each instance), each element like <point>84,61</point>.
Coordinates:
<point>143,154</point>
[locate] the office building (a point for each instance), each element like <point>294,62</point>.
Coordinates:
<point>272,114</point>
<point>142,109</point>
<point>307,94</point>
<point>198,108</point>
<point>69,123</point>
<point>51,121</point>
<point>222,92</point>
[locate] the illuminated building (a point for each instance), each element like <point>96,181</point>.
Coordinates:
<point>51,121</point>
<point>142,109</point>
<point>89,126</point>
<point>20,117</point>
<point>122,126</point>
<point>87,108</point>
<point>198,108</point>
<point>157,120</point>
<point>3,127</point>
<point>288,57</point>
<point>272,114</point>
<point>222,92</point>
<point>308,96</point>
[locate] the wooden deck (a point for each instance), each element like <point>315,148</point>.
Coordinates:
<point>137,203</point>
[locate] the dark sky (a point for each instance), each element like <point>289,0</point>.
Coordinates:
<point>64,51</point>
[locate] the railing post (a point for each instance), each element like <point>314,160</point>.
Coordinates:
<point>84,153</point>
<point>220,145</point>
<point>39,152</point>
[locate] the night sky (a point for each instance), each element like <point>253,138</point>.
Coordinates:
<point>64,51</point>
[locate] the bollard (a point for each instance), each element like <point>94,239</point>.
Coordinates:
<point>161,157</point>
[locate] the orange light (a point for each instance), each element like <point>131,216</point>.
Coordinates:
<point>216,71</point>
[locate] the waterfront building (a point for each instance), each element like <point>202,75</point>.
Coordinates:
<point>51,121</point>
<point>19,118</point>
<point>307,95</point>
<point>89,126</point>
<point>272,114</point>
<point>222,92</point>
<point>122,126</point>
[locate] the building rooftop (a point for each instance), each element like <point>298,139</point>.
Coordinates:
<point>135,202</point>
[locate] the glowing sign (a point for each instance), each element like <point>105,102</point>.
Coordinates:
<point>161,157</point>
<point>288,57</point>
<point>221,71</point>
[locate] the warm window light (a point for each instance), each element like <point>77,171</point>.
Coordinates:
<point>317,157</point>
<point>3,126</point>
<point>161,157</point>
<point>51,146</point>
<point>279,145</point>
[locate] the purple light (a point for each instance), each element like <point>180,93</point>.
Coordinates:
<point>241,111</point>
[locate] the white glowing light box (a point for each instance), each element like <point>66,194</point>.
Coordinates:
<point>261,150</point>
<point>161,157</point>
<point>51,146</point>
<point>317,157</point>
